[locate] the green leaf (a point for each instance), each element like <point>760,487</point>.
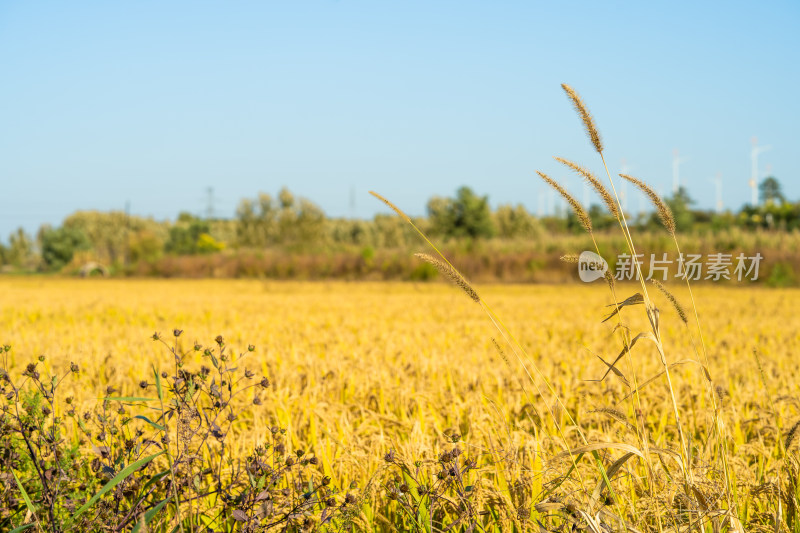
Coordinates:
<point>22,528</point>
<point>127,471</point>
<point>158,383</point>
<point>148,515</point>
<point>155,479</point>
<point>565,476</point>
<point>157,426</point>
<point>25,496</point>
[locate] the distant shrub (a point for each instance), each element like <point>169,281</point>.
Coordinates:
<point>60,244</point>
<point>782,275</point>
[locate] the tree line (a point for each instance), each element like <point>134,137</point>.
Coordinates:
<point>285,222</point>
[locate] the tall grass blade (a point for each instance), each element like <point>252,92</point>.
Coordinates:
<point>148,515</point>
<point>119,478</point>
<point>158,384</point>
<point>25,496</point>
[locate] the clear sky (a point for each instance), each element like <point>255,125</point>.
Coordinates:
<point>151,103</point>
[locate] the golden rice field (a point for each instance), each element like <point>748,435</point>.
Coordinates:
<point>359,370</point>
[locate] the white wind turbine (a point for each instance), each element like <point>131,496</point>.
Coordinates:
<point>755,150</point>
<point>676,164</point>
<point>624,169</point>
<point>718,186</point>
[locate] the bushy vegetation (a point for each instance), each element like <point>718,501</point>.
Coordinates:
<point>146,463</point>
<point>288,237</point>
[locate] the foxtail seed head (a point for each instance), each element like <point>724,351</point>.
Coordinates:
<point>451,273</point>
<point>583,217</point>
<point>586,117</point>
<point>664,212</point>
<point>391,205</point>
<point>674,301</point>
<point>595,183</point>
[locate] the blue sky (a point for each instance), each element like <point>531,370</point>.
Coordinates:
<point>151,103</point>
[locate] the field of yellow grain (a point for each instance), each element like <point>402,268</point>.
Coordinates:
<point>360,369</point>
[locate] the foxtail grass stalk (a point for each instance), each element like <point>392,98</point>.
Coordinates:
<point>519,353</point>
<point>667,219</point>
<point>649,307</point>
<point>641,430</point>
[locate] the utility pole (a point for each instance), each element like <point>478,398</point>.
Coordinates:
<point>540,204</point>
<point>210,203</point>
<point>127,258</point>
<point>676,178</point>
<point>754,151</point>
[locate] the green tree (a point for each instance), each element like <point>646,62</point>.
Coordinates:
<point>300,222</point>
<point>114,234</point>
<point>515,221</point>
<point>191,235</point>
<point>680,203</point>
<point>145,245</point>
<point>289,221</point>
<point>601,218</point>
<point>770,191</point>
<point>255,221</point>
<point>466,215</point>
<point>19,252</point>
<point>60,244</point>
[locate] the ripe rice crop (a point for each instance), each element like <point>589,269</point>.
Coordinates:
<point>359,371</point>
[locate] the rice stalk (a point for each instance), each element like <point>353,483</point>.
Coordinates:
<point>792,435</point>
